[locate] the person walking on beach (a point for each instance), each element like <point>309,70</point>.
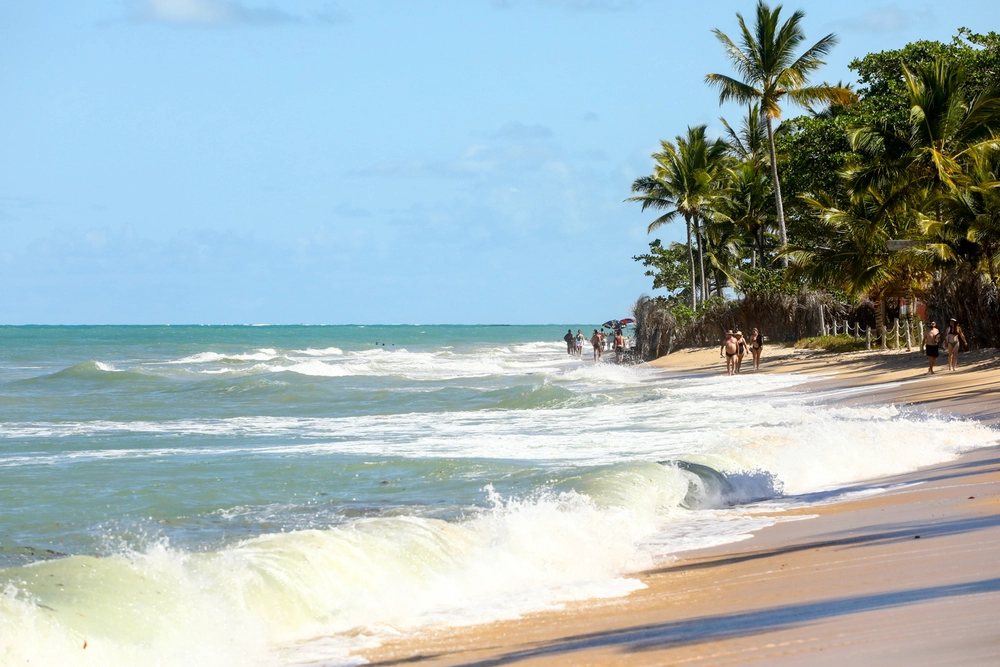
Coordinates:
<point>579,343</point>
<point>756,346</point>
<point>619,346</point>
<point>741,349</point>
<point>570,342</point>
<point>598,343</point>
<point>731,347</point>
<point>954,337</point>
<point>931,340</point>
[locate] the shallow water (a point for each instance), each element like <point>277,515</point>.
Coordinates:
<point>284,495</point>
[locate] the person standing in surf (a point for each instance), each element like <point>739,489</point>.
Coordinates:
<point>931,340</point>
<point>598,342</point>
<point>619,346</point>
<point>570,342</point>
<point>954,338</point>
<point>731,347</point>
<point>579,343</point>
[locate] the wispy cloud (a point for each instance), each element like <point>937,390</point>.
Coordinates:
<point>514,148</point>
<point>516,131</point>
<point>223,13</point>
<point>886,19</point>
<point>576,5</point>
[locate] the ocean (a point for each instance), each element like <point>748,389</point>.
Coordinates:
<point>288,495</point>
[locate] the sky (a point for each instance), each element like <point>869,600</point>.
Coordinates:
<point>376,161</point>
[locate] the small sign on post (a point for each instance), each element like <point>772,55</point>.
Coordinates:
<point>894,245</point>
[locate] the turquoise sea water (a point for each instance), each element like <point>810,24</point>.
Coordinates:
<point>288,495</point>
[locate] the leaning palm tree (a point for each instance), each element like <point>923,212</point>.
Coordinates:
<point>684,182</point>
<point>770,71</point>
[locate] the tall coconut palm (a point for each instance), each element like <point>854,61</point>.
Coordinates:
<point>770,72</point>
<point>684,182</point>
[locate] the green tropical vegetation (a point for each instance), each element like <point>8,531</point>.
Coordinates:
<point>871,195</point>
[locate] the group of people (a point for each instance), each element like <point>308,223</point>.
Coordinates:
<point>952,340</point>
<point>735,346</point>
<point>574,344</point>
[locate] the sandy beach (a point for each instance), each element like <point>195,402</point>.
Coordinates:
<point>900,570</point>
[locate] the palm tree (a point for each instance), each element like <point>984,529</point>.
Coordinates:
<point>943,132</point>
<point>744,201</point>
<point>973,213</point>
<point>684,181</point>
<point>770,71</point>
<point>855,256</point>
<point>942,160</point>
<point>749,143</point>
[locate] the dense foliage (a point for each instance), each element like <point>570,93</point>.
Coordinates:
<point>873,195</point>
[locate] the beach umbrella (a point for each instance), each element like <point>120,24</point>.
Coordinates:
<point>627,320</point>
<point>610,324</point>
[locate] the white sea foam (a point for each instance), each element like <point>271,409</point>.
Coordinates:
<point>325,352</point>
<point>263,354</point>
<point>267,599</point>
<point>353,585</point>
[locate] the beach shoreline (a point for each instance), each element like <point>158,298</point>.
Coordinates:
<point>898,569</point>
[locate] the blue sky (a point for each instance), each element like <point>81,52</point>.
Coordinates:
<point>385,161</point>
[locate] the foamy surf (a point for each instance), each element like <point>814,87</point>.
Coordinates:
<point>291,495</point>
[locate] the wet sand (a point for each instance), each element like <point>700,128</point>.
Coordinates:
<point>906,572</point>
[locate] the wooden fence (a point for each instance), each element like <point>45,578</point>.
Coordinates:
<point>902,333</point>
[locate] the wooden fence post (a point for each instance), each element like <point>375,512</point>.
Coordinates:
<point>868,338</point>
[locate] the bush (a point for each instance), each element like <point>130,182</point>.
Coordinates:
<point>831,343</point>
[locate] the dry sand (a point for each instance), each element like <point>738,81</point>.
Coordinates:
<point>907,576</point>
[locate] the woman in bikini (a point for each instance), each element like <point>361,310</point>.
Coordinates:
<point>741,350</point>
<point>756,346</point>
<point>954,337</point>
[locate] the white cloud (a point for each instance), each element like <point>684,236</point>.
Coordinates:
<point>517,131</point>
<point>218,13</point>
<point>888,18</point>
<point>579,5</point>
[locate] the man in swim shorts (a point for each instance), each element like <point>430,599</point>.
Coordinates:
<point>598,342</point>
<point>570,342</point>
<point>619,346</point>
<point>931,340</point>
<point>731,347</point>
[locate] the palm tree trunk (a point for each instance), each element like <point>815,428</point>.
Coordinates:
<point>760,235</point>
<point>701,261</point>
<point>694,295</point>
<point>880,316</point>
<point>777,189</point>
